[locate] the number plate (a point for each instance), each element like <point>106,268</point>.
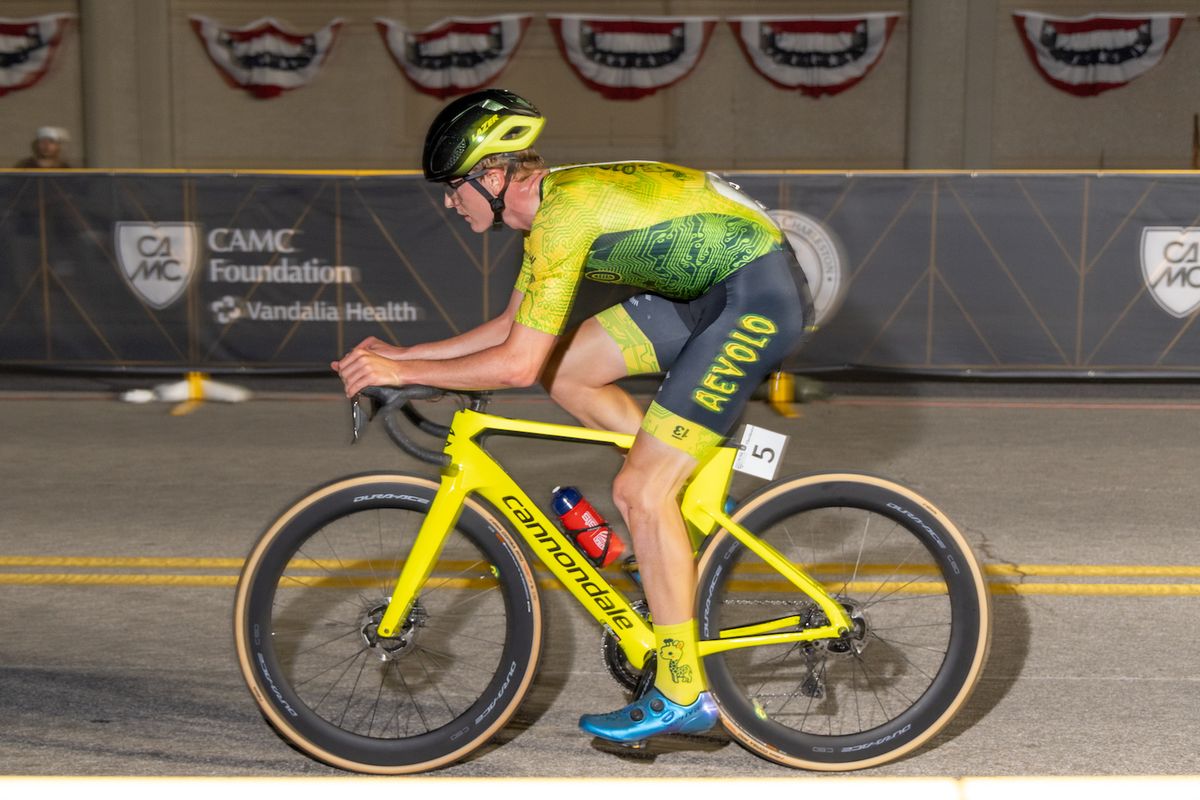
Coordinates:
<point>760,452</point>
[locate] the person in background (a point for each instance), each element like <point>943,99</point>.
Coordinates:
<point>47,150</point>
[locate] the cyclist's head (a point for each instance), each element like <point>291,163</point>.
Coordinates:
<point>490,123</point>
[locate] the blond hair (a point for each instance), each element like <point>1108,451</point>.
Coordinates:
<point>526,162</point>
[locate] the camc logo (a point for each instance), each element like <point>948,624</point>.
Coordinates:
<point>157,259</point>
<point>1171,268</point>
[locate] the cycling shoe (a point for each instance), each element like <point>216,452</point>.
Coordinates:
<point>652,715</point>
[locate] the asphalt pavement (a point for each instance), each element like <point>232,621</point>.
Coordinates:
<point>122,527</point>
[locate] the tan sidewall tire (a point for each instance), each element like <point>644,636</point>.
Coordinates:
<point>775,491</point>
<point>269,709</point>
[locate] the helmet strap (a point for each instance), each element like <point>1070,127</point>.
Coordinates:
<point>496,201</point>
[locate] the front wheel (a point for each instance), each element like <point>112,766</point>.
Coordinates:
<point>913,589</point>
<point>308,607</point>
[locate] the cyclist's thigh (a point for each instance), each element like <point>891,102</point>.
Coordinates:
<point>746,326</point>
<point>588,355</point>
<point>647,330</point>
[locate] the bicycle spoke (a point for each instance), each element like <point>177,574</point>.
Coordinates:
<point>343,605</point>
<point>431,629</point>
<point>887,570</point>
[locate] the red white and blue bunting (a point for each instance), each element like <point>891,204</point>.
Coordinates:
<point>817,55</point>
<point>1089,55</point>
<point>454,55</point>
<point>27,48</point>
<point>263,57</point>
<point>624,58</point>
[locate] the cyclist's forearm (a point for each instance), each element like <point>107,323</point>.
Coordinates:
<point>515,363</point>
<point>492,333</point>
<point>489,334</point>
<point>481,371</point>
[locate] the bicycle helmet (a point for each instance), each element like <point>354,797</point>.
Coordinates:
<point>476,126</point>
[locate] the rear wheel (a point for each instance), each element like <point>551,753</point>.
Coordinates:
<point>913,589</point>
<point>309,603</point>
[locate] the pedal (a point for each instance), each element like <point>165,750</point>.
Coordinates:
<point>638,745</point>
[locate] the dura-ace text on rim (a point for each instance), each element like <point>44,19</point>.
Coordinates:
<point>915,594</point>
<point>311,597</point>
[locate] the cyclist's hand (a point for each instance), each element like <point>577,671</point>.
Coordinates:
<point>362,368</point>
<point>374,344</point>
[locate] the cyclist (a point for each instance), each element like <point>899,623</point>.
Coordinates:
<point>722,304</point>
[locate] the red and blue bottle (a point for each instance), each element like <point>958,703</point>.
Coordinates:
<point>593,535</point>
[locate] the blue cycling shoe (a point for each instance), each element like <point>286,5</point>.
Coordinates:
<point>652,715</point>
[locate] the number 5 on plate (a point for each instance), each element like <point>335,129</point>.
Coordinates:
<point>760,452</point>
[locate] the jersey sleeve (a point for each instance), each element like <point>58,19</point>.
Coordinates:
<point>552,267</point>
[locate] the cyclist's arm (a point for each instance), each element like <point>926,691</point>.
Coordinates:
<point>516,362</point>
<point>489,334</point>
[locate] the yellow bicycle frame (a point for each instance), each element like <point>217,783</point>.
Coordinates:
<point>473,471</point>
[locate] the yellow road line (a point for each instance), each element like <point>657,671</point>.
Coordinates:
<point>993,570</point>
<point>1012,577</point>
<point>1126,589</point>
<point>222,581</point>
<point>118,563</point>
<point>114,579</point>
<point>1092,571</point>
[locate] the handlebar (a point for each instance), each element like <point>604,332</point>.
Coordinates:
<point>387,400</point>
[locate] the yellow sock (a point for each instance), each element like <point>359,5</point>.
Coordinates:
<point>680,676</point>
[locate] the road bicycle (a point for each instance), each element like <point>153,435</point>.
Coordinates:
<point>390,623</point>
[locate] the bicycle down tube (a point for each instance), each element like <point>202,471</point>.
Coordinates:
<point>473,471</point>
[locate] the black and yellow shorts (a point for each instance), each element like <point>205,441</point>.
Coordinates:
<point>716,349</point>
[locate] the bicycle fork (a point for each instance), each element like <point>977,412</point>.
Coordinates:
<point>439,521</point>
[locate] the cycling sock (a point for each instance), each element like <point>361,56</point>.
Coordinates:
<point>679,675</point>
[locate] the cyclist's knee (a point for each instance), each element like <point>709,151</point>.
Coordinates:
<point>563,387</point>
<point>641,495</point>
<point>629,498</point>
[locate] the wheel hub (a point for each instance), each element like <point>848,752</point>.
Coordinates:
<point>390,647</point>
<point>851,644</point>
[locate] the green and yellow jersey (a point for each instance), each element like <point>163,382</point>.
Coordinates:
<point>669,230</point>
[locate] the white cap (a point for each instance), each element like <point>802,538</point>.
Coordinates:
<point>52,133</point>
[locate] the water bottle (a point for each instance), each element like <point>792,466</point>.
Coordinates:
<point>591,532</point>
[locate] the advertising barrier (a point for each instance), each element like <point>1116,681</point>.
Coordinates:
<point>1054,274</point>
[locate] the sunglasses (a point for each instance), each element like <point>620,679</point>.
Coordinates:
<point>453,185</point>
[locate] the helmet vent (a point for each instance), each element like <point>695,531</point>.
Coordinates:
<point>475,126</point>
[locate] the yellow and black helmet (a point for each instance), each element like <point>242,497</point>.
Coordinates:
<point>476,126</point>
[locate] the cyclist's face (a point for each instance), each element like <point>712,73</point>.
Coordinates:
<point>470,203</point>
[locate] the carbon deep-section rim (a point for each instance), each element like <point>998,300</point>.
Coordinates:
<point>909,580</point>
<point>313,590</point>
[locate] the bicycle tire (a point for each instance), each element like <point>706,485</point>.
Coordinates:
<point>318,580</point>
<point>920,642</point>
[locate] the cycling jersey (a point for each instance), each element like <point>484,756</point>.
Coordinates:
<point>724,299</point>
<point>666,229</point>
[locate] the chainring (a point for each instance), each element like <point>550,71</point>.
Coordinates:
<point>618,666</point>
